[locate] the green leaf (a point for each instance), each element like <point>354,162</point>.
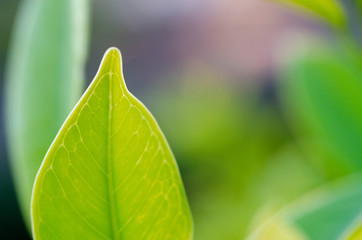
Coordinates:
<point>330,218</point>
<point>110,173</point>
<point>329,10</point>
<point>278,229</point>
<point>321,92</point>
<point>43,82</point>
<point>355,233</point>
<point>327,212</point>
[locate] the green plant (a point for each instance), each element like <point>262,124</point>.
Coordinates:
<point>44,83</point>
<point>110,173</point>
<point>44,80</point>
<point>337,204</point>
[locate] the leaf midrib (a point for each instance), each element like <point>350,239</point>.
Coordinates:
<point>112,205</point>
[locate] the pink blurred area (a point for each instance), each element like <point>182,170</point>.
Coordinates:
<point>236,38</point>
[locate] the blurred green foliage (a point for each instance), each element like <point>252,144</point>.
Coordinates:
<point>321,92</point>
<point>239,151</point>
<point>233,149</point>
<point>44,79</point>
<point>327,212</point>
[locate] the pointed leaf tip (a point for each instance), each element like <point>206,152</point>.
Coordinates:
<point>110,174</point>
<point>111,62</point>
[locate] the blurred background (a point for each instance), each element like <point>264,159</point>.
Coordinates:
<point>260,100</point>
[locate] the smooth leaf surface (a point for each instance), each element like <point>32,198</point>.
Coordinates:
<point>43,82</point>
<point>110,173</point>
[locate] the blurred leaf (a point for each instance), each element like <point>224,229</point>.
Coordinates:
<point>284,177</point>
<point>355,234</point>
<point>110,173</point>
<point>240,138</point>
<point>321,92</point>
<point>285,167</point>
<point>278,229</point>
<point>325,213</point>
<point>330,10</point>
<point>332,216</point>
<point>44,80</point>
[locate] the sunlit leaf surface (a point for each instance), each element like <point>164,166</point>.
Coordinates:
<point>110,173</point>
<point>43,82</point>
